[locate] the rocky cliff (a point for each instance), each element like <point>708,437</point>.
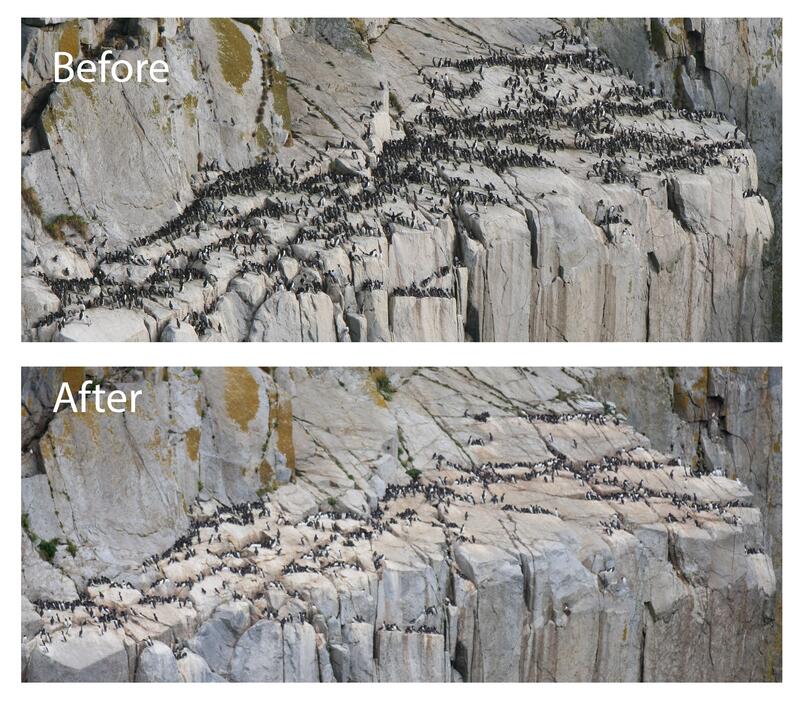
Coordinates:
<point>729,64</point>
<point>405,180</point>
<point>712,417</point>
<point>398,524</point>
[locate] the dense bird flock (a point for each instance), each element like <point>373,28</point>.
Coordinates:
<point>561,105</point>
<point>210,563</point>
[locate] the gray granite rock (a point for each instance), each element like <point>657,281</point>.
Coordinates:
<point>549,539</point>
<point>216,638</point>
<point>194,669</point>
<point>92,658</point>
<point>696,260</point>
<point>258,655</point>
<point>157,664</point>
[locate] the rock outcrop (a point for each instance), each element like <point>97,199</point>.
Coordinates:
<point>733,65</point>
<point>410,524</point>
<point>403,180</point>
<point>717,418</point>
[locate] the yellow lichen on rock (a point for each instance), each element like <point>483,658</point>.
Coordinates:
<point>263,137</point>
<point>280,419</point>
<point>74,377</point>
<point>70,38</point>
<point>374,394</point>
<point>193,444</point>
<point>265,473</point>
<point>280,97</point>
<point>190,108</point>
<point>233,53</point>
<point>379,387</point>
<point>241,396</point>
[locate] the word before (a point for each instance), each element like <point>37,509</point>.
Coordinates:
<point>119,71</point>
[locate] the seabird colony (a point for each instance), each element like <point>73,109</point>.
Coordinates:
<point>212,564</point>
<point>561,105</point>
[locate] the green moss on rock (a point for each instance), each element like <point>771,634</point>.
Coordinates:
<point>56,226</point>
<point>361,28</point>
<point>47,549</point>
<point>31,199</point>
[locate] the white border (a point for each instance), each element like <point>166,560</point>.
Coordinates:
<point>402,354</point>
<point>17,354</point>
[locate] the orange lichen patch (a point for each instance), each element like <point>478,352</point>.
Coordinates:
<point>89,418</point>
<point>701,384</point>
<point>280,418</point>
<point>241,396</point>
<point>680,399</point>
<point>193,444</point>
<point>74,377</point>
<point>72,420</point>
<point>696,395</point>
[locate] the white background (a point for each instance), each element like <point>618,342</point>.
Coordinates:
<point>16,354</point>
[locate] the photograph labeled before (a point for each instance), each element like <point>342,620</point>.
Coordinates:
<point>401,179</point>
<point>401,524</point>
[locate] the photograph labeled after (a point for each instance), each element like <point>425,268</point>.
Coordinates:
<point>401,524</point>
<point>401,179</point>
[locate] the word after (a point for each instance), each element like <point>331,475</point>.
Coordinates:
<point>116,400</point>
<point>106,70</point>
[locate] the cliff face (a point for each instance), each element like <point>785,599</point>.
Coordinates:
<point>733,65</point>
<point>713,417</point>
<point>413,524</point>
<point>729,418</point>
<point>419,180</point>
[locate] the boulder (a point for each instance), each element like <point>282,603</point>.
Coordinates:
<point>91,658</point>
<point>215,639</point>
<point>258,654</point>
<point>157,664</point>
